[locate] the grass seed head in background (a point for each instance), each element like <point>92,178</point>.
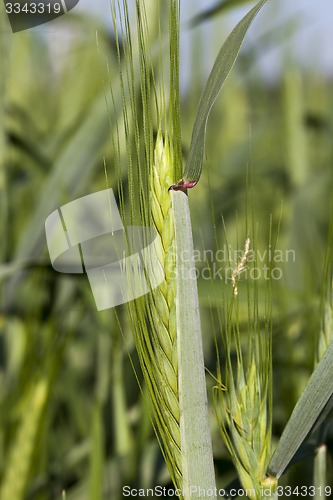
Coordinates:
<point>243,407</point>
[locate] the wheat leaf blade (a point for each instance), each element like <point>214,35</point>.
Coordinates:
<point>196,446</point>
<point>308,409</point>
<point>222,67</point>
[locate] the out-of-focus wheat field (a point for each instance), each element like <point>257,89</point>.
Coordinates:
<point>74,422</point>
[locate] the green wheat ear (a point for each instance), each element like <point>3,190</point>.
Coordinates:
<point>161,309</point>
<point>152,168</point>
<point>153,316</point>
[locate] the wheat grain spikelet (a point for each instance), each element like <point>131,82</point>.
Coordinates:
<point>155,316</point>
<point>163,299</point>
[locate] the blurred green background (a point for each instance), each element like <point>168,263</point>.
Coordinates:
<point>73,421</point>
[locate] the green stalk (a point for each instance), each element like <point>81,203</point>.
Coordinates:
<point>4,48</point>
<point>123,440</point>
<point>296,140</point>
<point>196,445</point>
<point>320,476</point>
<point>97,454</point>
<point>18,463</point>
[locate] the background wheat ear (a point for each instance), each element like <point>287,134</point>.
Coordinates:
<point>244,407</point>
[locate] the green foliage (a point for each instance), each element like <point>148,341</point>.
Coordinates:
<point>74,423</point>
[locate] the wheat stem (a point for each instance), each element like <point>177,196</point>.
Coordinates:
<point>196,445</point>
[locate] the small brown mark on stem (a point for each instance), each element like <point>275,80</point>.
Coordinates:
<point>182,185</point>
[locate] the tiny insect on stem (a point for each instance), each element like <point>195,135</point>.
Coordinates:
<point>182,185</point>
